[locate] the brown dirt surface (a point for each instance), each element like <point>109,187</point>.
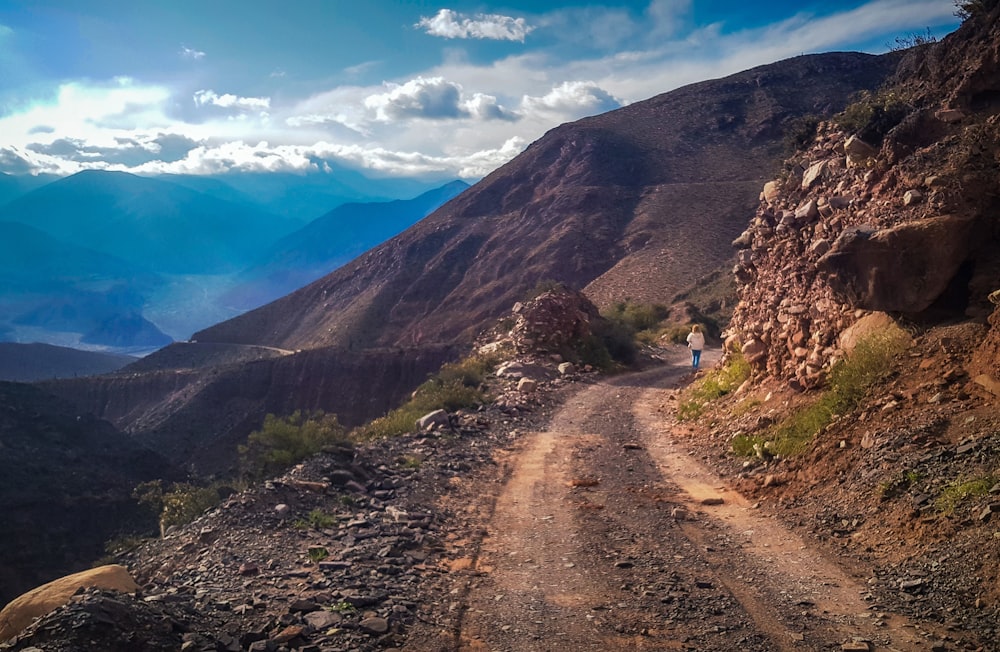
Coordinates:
<point>607,531</point>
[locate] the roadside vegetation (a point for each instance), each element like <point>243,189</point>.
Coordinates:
<point>715,384</point>
<point>847,384</point>
<point>457,385</point>
<point>179,503</point>
<point>285,441</point>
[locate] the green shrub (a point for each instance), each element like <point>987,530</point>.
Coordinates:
<point>747,445</point>
<point>714,384</point>
<point>849,380</point>
<point>285,441</point>
<point>454,387</point>
<point>316,519</point>
<point>957,492</point>
<point>179,505</point>
<point>872,115</point>
<point>800,133</point>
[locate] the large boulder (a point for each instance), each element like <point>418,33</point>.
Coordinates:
<point>900,269</point>
<point>19,613</point>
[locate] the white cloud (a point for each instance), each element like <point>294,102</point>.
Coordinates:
<point>433,98</point>
<point>572,99</point>
<point>450,24</point>
<point>191,53</point>
<point>230,101</point>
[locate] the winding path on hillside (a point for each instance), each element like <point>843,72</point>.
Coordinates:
<point>607,535</point>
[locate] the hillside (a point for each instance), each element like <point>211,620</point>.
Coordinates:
<point>637,203</point>
<point>29,362</point>
<point>66,481</point>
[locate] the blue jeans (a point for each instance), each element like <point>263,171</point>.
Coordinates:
<point>695,358</point>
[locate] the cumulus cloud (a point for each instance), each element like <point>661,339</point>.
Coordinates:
<point>572,99</point>
<point>230,101</point>
<point>433,98</point>
<point>451,24</point>
<point>191,53</point>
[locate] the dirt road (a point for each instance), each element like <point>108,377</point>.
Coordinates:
<point>607,535</point>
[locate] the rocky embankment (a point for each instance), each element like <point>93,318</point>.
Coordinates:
<point>904,223</point>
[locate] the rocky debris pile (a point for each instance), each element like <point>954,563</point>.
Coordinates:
<point>848,231</point>
<point>555,322</point>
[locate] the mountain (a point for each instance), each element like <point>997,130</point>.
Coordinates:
<point>148,222</point>
<point>330,241</point>
<point>13,186</point>
<point>66,481</point>
<point>54,287</point>
<point>30,362</point>
<point>636,203</point>
<point>299,197</point>
<point>33,261</point>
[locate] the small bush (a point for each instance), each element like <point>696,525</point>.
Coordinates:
<point>285,441</point>
<point>180,504</point>
<point>454,387</point>
<point>747,445</point>
<point>317,519</point>
<point>715,384</point>
<point>872,115</point>
<point>318,554</point>
<point>955,493</point>
<point>800,133</point>
<point>849,380</point>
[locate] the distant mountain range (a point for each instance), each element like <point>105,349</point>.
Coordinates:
<point>330,241</point>
<point>118,259</point>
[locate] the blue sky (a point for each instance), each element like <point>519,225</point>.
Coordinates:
<point>391,88</point>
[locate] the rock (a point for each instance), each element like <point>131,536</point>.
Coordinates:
<point>712,501</point>
<point>754,351</point>
<point>820,247</point>
<point>321,620</point>
<point>374,626</point>
<point>744,241</point>
<point>901,269</point>
<point>527,386</point>
<point>949,115</point>
<point>248,568</point>
<point>282,510</point>
<point>435,418</point>
<point>813,174</point>
<point>20,611</point>
<point>567,369</point>
<point>911,585</point>
<point>288,634</point>
<point>858,152</point>
<point>772,190</point>
<point>807,211</point>
<point>912,197</point>
<point>857,646</point>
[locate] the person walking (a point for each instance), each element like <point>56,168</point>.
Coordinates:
<point>696,342</point>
